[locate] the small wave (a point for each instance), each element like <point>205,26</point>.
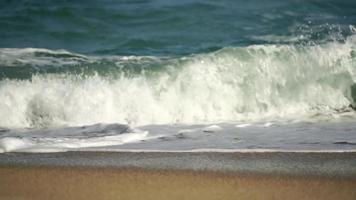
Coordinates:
<point>24,63</point>
<point>38,57</point>
<point>345,142</point>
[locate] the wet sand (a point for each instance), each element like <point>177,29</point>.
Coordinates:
<point>45,176</point>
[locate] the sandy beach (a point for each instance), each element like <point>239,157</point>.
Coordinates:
<point>46,176</point>
<point>107,183</point>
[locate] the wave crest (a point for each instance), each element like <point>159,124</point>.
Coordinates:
<point>232,84</point>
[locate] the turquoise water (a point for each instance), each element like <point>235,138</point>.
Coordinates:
<point>72,71</point>
<point>170,28</point>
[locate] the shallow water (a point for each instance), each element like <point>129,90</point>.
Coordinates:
<point>227,137</point>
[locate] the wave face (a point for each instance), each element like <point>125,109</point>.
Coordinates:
<point>250,83</point>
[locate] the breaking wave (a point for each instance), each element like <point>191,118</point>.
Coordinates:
<point>232,84</point>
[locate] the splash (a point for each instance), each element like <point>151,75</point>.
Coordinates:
<point>251,83</point>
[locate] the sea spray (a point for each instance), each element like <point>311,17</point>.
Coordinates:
<point>232,84</point>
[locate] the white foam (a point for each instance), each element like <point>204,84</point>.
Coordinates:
<point>65,144</point>
<point>64,139</point>
<point>187,131</point>
<point>268,124</point>
<point>212,128</point>
<point>243,125</point>
<point>9,144</point>
<point>255,83</point>
<point>228,150</point>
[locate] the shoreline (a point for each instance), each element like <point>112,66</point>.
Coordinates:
<point>318,164</point>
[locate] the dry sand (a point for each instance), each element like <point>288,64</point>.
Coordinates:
<point>44,183</point>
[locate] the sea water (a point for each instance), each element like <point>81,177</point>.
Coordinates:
<point>177,75</point>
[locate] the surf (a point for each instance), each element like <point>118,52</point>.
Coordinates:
<point>252,83</point>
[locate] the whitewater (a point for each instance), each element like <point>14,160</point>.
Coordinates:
<point>148,100</point>
<point>178,76</point>
<point>234,84</point>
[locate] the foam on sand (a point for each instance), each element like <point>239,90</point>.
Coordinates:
<point>64,139</point>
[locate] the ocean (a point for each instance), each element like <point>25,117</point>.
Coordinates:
<point>188,75</point>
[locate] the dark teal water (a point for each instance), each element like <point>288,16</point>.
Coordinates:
<point>169,27</point>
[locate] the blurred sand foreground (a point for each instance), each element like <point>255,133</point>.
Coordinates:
<point>44,183</point>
